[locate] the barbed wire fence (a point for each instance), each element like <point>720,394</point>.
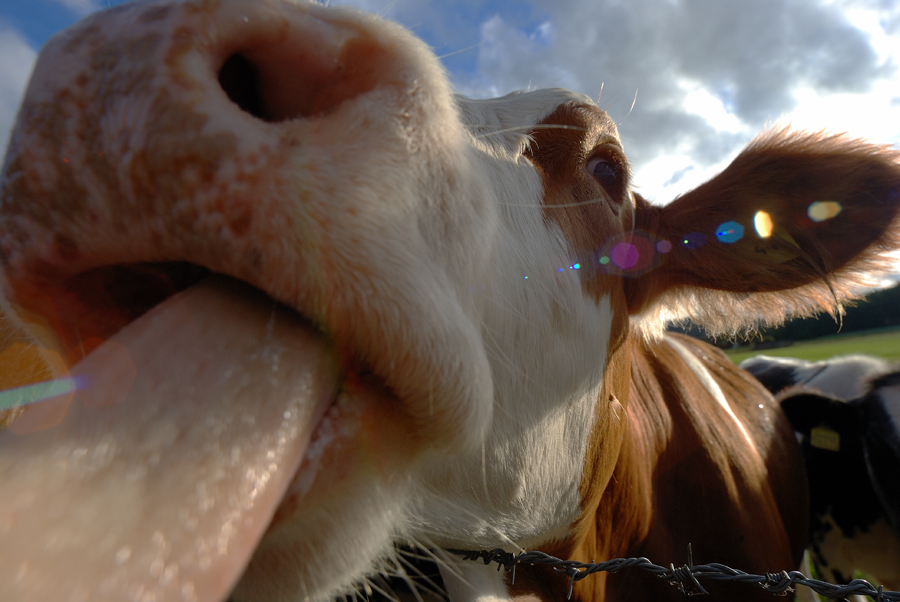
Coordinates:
<point>686,578</point>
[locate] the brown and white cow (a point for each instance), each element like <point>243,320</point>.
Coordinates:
<point>301,303</point>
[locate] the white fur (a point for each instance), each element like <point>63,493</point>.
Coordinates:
<point>712,386</point>
<point>520,488</point>
<point>470,582</point>
<point>876,550</point>
<point>405,223</point>
<point>890,397</point>
<point>408,224</point>
<point>845,376</point>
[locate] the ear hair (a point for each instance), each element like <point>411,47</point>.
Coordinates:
<point>805,266</point>
<point>807,407</point>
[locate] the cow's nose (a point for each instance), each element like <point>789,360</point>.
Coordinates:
<point>178,118</point>
<point>280,62</point>
<point>158,132</point>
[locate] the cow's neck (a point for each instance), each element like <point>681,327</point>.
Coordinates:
<point>616,490</point>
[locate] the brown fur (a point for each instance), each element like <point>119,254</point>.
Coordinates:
<point>682,470</point>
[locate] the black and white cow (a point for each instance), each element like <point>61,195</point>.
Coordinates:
<point>846,413</point>
<point>843,376</point>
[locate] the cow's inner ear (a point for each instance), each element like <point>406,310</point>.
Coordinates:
<point>790,211</point>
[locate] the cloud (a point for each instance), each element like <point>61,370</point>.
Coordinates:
<point>452,28</point>
<point>80,8</point>
<point>688,81</point>
<point>742,61</point>
<point>16,62</point>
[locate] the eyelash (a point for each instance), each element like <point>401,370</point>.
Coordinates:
<point>606,171</point>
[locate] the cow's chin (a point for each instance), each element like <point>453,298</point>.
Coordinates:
<point>238,441</point>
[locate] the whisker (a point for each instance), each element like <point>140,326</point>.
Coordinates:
<point>562,206</point>
<point>529,128</point>
<point>383,11</point>
<point>435,588</point>
<point>484,484</point>
<point>389,596</point>
<point>502,536</point>
<point>633,102</point>
<point>455,52</point>
<point>410,582</point>
<point>437,555</point>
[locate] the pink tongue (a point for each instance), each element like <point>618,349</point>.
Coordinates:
<point>169,463</point>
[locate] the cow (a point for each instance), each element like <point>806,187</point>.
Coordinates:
<point>276,301</point>
<point>844,376</point>
<point>846,414</point>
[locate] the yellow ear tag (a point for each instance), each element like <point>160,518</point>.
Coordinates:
<point>825,438</point>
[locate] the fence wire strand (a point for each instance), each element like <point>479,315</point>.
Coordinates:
<point>686,578</point>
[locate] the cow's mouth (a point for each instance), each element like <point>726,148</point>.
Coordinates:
<point>208,411</point>
<point>183,456</point>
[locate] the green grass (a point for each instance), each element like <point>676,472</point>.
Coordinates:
<point>884,344</point>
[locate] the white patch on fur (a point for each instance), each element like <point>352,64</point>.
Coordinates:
<point>890,397</point>
<point>467,581</point>
<point>876,551</point>
<point>709,382</point>
<point>845,377</point>
<point>546,342</point>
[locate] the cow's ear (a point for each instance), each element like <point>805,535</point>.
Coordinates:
<point>807,408</point>
<point>793,226</point>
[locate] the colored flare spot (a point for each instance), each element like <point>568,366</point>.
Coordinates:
<point>694,240</point>
<point>22,396</point>
<point>630,254</point>
<point>730,232</point>
<point>625,255</point>
<point>823,210</point>
<point>664,246</point>
<point>574,266</point>
<point>26,377</point>
<point>762,221</point>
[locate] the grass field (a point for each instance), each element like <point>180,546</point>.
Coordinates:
<point>884,344</point>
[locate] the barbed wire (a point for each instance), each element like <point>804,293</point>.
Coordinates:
<point>685,577</point>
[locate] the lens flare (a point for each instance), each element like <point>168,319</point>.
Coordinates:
<point>630,254</point>
<point>762,221</point>
<point>625,255</point>
<point>823,210</point>
<point>21,396</point>
<point>730,232</point>
<point>694,240</point>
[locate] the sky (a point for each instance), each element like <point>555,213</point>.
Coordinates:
<point>689,82</point>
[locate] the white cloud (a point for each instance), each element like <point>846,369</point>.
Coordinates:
<point>16,62</point>
<point>80,8</point>
<point>708,74</point>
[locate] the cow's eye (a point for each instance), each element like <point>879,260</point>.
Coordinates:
<point>607,173</point>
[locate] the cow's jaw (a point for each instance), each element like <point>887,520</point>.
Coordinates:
<point>521,488</point>
<point>156,164</point>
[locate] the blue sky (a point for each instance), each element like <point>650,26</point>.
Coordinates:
<point>688,81</point>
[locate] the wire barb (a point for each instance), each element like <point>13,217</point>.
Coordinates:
<point>685,577</point>
<point>685,574</point>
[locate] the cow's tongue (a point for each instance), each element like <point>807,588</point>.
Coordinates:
<point>170,461</point>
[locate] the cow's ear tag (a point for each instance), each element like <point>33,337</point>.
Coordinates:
<point>825,438</point>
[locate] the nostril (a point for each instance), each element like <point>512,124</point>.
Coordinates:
<point>303,73</point>
<point>240,80</point>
